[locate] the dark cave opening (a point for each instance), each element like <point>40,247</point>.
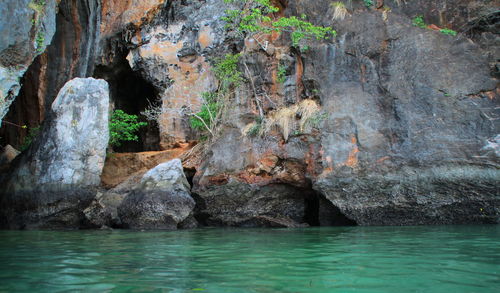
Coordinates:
<point>319,211</point>
<point>130,92</point>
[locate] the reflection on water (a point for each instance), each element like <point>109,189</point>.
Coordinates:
<point>350,259</point>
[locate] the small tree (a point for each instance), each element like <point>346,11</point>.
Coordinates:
<point>123,127</point>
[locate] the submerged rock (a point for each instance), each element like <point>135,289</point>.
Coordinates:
<point>160,201</point>
<point>53,182</point>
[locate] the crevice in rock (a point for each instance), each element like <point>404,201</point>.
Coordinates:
<point>201,217</point>
<point>190,172</point>
<point>131,93</point>
<point>319,211</point>
<point>71,54</point>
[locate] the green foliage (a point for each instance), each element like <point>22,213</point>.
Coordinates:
<point>301,29</point>
<point>206,118</point>
<point>253,18</point>
<point>418,21</point>
<point>368,3</point>
<point>316,120</point>
<point>281,73</point>
<point>38,6</point>
<point>226,71</point>
<point>40,40</point>
<point>447,31</point>
<point>32,133</point>
<point>123,127</point>
<point>256,127</point>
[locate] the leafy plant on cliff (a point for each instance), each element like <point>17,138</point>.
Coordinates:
<point>418,21</point>
<point>368,3</point>
<point>38,6</point>
<point>448,31</point>
<point>256,17</point>
<point>28,139</point>
<point>281,73</point>
<point>226,71</point>
<point>213,103</point>
<point>207,117</point>
<point>123,127</point>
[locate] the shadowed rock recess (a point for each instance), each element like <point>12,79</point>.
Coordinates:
<point>388,123</point>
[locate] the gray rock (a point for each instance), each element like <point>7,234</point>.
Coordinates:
<point>409,135</point>
<point>244,205</point>
<point>25,31</point>
<point>55,179</point>
<point>160,201</point>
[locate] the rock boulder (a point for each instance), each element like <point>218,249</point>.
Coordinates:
<point>53,181</point>
<point>160,201</point>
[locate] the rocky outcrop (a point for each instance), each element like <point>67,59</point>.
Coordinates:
<point>55,179</point>
<point>173,58</point>
<point>25,30</point>
<point>403,135</point>
<point>120,166</point>
<point>160,201</point>
<point>386,124</point>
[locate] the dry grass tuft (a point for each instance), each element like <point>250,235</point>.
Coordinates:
<point>339,10</point>
<point>288,119</point>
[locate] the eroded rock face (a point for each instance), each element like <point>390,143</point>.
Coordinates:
<point>173,58</point>
<point>160,201</point>
<point>55,179</point>
<point>406,130</point>
<point>26,28</point>
<point>404,126</point>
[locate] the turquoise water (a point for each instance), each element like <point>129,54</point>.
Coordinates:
<point>351,259</point>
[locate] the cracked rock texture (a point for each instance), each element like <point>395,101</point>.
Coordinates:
<point>392,124</point>
<point>25,30</point>
<point>160,201</point>
<point>51,183</point>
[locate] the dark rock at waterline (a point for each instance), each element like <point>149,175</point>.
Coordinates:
<point>51,184</point>
<point>461,195</point>
<point>243,205</point>
<point>161,200</point>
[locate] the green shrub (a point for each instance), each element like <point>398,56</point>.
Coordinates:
<point>123,127</point>
<point>32,133</point>
<point>226,71</point>
<point>208,115</point>
<point>368,3</point>
<point>447,31</point>
<point>253,18</point>
<point>418,21</point>
<point>281,73</point>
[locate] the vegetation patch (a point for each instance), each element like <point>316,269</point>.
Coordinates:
<point>255,18</point>
<point>448,31</point>
<point>339,10</point>
<point>123,127</point>
<point>287,120</point>
<point>30,137</point>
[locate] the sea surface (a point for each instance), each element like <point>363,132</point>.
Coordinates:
<point>343,259</point>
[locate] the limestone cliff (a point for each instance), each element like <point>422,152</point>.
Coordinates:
<point>388,123</point>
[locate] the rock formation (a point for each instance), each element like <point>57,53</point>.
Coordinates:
<point>26,28</point>
<point>160,201</point>
<point>388,123</point>
<point>56,178</point>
